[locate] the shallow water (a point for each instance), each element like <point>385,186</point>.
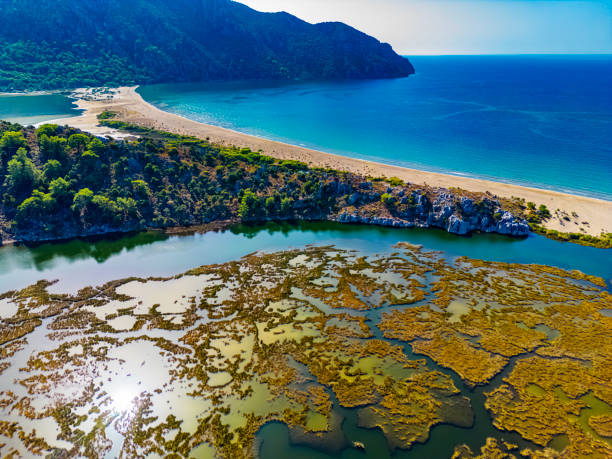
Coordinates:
<point>79,263</point>
<point>34,109</point>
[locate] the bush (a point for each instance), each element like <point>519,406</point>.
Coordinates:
<point>543,212</point>
<point>286,206</point>
<point>250,206</point>
<point>10,143</point>
<point>128,207</point>
<point>47,130</point>
<point>23,175</point>
<point>105,209</point>
<point>51,170</point>
<point>387,199</point>
<point>140,189</point>
<point>106,115</point>
<point>34,209</point>
<point>271,205</point>
<point>60,190</point>
<point>82,200</point>
<point>78,141</point>
<point>52,147</point>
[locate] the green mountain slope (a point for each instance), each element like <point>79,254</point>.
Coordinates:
<point>48,44</point>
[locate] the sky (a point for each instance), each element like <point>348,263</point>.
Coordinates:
<point>415,27</point>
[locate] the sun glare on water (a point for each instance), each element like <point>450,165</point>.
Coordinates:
<point>124,398</point>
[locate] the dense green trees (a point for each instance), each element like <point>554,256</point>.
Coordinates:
<point>52,147</point>
<point>61,191</point>
<point>60,182</point>
<point>10,142</point>
<point>34,211</point>
<point>78,141</point>
<point>22,175</point>
<point>52,169</point>
<point>48,44</point>
<point>250,206</point>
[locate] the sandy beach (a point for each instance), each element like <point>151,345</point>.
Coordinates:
<point>570,213</point>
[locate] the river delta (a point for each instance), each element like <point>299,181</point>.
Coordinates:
<point>317,351</point>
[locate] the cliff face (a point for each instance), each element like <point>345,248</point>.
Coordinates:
<point>438,208</point>
<point>68,43</point>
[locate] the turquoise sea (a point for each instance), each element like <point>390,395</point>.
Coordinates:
<point>543,121</point>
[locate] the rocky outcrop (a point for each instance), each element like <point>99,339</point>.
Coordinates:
<point>457,215</point>
<point>201,183</point>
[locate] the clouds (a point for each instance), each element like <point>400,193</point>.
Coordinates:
<point>467,26</point>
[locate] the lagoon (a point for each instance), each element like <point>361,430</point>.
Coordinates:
<point>79,263</point>
<point>29,109</point>
<point>82,262</point>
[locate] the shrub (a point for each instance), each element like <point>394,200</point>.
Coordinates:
<point>250,206</point>
<point>52,148</point>
<point>52,169</point>
<point>286,206</point>
<point>387,199</point>
<point>78,141</point>
<point>47,130</point>
<point>23,175</point>
<point>60,190</point>
<point>140,189</point>
<point>10,143</point>
<point>271,205</point>
<point>543,211</point>
<point>82,200</point>
<point>106,115</point>
<point>34,209</point>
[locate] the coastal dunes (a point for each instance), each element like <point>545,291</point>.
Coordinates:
<point>570,213</point>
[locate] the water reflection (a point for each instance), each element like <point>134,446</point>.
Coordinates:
<point>83,262</point>
<point>99,248</point>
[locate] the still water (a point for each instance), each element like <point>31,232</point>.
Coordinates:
<point>82,262</point>
<point>79,263</point>
<point>34,109</point>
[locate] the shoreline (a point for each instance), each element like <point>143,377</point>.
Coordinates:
<point>574,210</point>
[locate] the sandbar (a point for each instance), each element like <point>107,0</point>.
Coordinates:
<point>571,213</point>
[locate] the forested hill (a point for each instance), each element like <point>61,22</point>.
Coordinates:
<point>57,182</point>
<point>48,44</point>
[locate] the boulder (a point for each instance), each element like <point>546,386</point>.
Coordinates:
<point>456,225</point>
<point>353,199</point>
